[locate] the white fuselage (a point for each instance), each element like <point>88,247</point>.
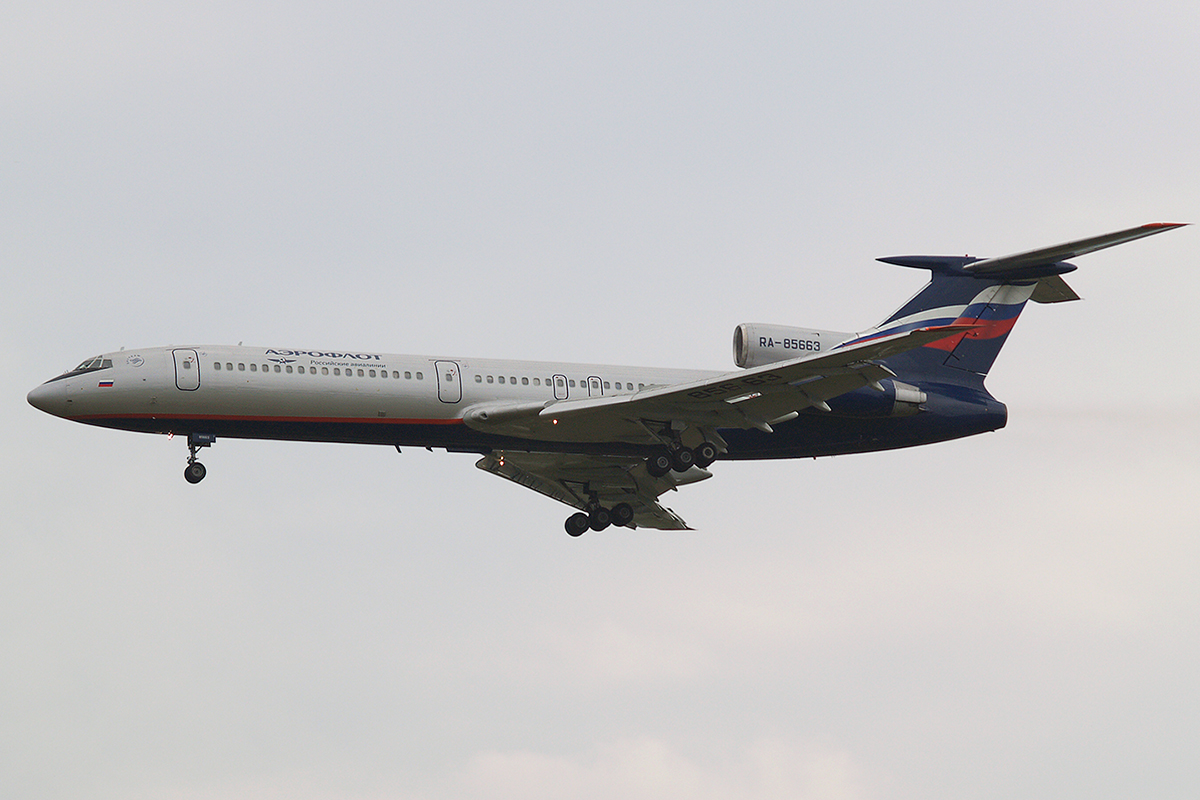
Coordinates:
<point>332,395</point>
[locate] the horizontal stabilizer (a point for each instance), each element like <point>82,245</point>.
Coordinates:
<point>1048,256</point>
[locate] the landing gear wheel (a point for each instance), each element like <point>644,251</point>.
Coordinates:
<point>682,460</point>
<point>705,454</point>
<point>622,514</point>
<point>194,472</point>
<point>599,519</point>
<point>578,524</point>
<point>658,464</point>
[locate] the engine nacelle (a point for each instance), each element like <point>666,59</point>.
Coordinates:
<point>755,344</point>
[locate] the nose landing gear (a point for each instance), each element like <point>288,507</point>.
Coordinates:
<point>194,472</point>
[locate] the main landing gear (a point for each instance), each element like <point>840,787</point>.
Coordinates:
<point>597,518</point>
<point>679,458</point>
<point>194,472</point>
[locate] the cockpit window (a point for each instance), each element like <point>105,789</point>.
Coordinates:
<point>91,365</point>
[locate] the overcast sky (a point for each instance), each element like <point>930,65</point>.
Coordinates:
<point>1015,615</point>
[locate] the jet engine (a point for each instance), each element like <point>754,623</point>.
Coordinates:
<point>755,344</point>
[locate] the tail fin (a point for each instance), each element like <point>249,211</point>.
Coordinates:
<point>989,294</point>
<point>991,304</point>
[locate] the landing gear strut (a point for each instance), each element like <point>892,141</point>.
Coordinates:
<point>194,472</point>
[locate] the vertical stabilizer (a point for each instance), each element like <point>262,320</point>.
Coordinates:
<point>991,305</point>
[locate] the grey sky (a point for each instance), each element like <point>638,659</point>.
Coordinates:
<point>1013,615</point>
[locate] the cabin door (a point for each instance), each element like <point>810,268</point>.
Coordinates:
<point>187,370</point>
<point>449,381</point>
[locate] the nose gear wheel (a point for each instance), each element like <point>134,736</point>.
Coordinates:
<point>194,472</point>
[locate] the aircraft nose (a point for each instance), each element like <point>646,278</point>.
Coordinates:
<point>49,397</point>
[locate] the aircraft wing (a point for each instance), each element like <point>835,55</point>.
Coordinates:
<point>752,398</point>
<point>574,479</point>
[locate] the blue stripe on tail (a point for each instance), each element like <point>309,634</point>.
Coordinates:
<point>993,304</point>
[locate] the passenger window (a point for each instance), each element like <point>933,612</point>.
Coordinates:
<point>502,379</point>
<point>337,371</point>
<point>187,364</point>
<point>420,377</point>
<point>571,383</point>
<point>216,364</point>
<point>524,381</point>
<point>254,367</point>
<point>537,382</point>
<point>229,366</point>
<point>395,374</point>
<point>324,370</point>
<point>288,369</point>
<point>370,373</point>
<point>479,379</point>
<point>606,385</point>
<point>489,379</point>
<point>360,373</point>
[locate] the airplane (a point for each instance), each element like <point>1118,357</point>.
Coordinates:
<point>608,441</point>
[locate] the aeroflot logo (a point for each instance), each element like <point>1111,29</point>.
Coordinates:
<point>319,354</point>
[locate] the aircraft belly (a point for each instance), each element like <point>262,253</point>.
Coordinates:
<point>950,414</point>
